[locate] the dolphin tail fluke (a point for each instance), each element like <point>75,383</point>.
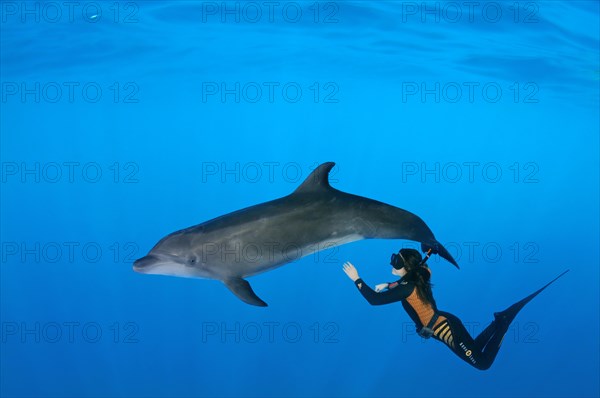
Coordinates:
<point>241,288</point>
<point>437,248</point>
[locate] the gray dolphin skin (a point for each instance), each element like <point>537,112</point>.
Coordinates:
<point>263,237</point>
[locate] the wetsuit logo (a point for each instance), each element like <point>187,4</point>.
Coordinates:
<point>468,353</point>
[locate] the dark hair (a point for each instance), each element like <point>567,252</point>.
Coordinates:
<point>418,274</point>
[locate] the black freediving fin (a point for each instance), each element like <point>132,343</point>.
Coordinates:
<point>507,316</point>
<point>241,288</point>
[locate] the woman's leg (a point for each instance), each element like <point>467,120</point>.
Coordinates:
<point>482,351</point>
<point>490,340</point>
<point>479,353</point>
<point>484,337</point>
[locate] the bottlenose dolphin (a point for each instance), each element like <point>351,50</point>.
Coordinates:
<point>260,238</point>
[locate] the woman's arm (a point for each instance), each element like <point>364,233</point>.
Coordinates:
<point>398,293</point>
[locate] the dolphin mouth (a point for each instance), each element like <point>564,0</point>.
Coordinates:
<point>155,263</point>
<point>165,264</point>
<point>146,263</point>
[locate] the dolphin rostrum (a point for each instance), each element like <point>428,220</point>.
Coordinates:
<point>260,238</point>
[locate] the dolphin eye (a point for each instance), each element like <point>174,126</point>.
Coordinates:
<point>192,261</point>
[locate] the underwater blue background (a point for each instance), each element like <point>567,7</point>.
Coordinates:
<point>123,122</point>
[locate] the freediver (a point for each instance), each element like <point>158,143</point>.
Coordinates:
<point>413,289</point>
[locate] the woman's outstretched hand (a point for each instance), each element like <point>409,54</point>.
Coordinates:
<point>350,271</point>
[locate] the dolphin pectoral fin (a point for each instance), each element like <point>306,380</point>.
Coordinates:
<point>437,248</point>
<point>241,288</point>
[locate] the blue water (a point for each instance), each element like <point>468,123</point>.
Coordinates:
<point>123,122</point>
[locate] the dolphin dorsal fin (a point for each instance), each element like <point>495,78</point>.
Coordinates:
<point>318,180</point>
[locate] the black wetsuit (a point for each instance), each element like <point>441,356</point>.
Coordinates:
<point>479,352</point>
